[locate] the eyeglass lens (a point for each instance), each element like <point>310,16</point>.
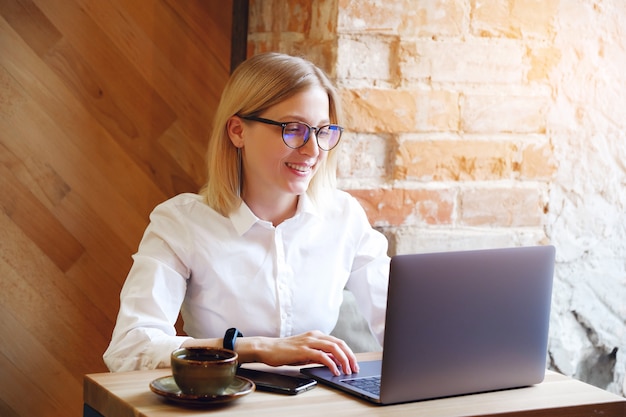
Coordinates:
<point>296,135</point>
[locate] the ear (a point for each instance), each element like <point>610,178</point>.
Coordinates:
<point>235,128</point>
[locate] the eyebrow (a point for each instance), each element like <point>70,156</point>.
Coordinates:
<point>295,118</point>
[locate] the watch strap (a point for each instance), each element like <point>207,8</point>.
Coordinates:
<point>230,337</point>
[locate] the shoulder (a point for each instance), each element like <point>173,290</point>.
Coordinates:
<point>345,199</point>
<point>181,220</point>
<point>341,203</point>
<point>185,202</point>
<point>182,208</point>
<point>184,199</point>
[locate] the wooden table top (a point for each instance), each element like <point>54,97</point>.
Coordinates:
<point>128,394</point>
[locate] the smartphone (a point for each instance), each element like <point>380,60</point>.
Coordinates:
<point>279,383</point>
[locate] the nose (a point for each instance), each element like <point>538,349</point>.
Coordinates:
<point>310,147</point>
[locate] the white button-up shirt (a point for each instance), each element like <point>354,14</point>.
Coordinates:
<point>241,271</point>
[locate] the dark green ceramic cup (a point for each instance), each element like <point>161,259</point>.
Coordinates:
<point>204,371</point>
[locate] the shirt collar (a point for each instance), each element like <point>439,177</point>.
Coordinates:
<point>243,218</point>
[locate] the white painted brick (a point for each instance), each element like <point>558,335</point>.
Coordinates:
<point>503,114</point>
<point>405,17</point>
<point>440,240</point>
<point>363,157</point>
<point>479,61</point>
<point>363,57</point>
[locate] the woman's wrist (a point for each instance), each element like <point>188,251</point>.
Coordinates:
<point>252,349</point>
<point>249,349</point>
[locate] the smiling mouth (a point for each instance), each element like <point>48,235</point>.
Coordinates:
<point>299,168</point>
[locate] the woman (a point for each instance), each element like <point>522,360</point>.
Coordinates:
<point>268,245</point>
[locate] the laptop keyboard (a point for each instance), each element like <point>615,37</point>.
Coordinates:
<point>369,384</point>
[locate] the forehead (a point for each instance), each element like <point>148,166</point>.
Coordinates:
<point>310,105</point>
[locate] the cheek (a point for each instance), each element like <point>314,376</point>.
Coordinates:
<point>321,160</point>
<point>265,152</point>
<point>270,160</point>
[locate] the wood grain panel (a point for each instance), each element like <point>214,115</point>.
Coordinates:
<point>37,222</point>
<point>105,109</point>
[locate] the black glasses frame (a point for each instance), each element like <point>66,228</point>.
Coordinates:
<point>283,125</point>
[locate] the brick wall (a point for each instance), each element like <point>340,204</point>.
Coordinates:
<point>442,149</point>
<point>452,140</point>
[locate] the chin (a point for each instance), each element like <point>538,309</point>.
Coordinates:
<point>298,190</point>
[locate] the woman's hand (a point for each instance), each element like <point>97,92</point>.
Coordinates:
<point>303,349</point>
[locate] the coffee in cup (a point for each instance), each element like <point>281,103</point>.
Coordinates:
<point>204,371</point>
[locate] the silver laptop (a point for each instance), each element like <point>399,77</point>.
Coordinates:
<point>458,323</point>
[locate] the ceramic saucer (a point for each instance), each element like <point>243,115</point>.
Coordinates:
<point>166,387</point>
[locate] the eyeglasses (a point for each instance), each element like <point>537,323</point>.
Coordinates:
<point>297,134</point>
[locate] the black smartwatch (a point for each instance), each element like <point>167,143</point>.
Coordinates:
<point>230,337</point>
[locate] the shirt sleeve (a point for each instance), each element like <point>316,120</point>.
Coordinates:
<point>369,277</point>
<point>150,300</point>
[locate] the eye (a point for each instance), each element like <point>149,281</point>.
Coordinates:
<point>295,129</point>
<point>323,132</point>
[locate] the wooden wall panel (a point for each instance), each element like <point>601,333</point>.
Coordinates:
<point>105,108</point>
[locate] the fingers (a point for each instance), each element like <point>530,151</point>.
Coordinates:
<point>332,352</point>
<point>303,349</point>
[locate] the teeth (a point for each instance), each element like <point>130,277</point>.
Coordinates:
<point>301,168</point>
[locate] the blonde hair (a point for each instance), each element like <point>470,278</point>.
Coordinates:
<point>257,84</point>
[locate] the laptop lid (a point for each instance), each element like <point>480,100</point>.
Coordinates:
<point>459,323</point>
